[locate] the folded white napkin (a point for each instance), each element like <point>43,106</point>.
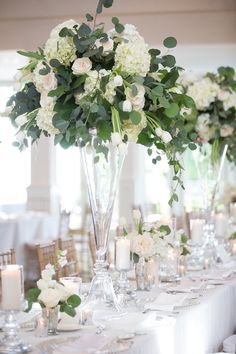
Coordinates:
<point>167,302</point>
<point>88,343</point>
<point>187,285</point>
<point>229,344</point>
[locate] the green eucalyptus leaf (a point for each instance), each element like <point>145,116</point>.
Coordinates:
<point>74,300</point>
<point>135,117</point>
<point>170,42</point>
<point>89,17</point>
<point>172,110</point>
<point>55,63</point>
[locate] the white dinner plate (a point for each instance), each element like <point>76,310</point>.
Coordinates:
<point>68,327</point>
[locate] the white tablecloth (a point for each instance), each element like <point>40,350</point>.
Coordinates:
<point>199,329</point>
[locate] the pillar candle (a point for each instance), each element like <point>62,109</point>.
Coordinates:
<point>196,226</point>
<point>123,253</point>
<point>73,284</point>
<point>11,288</point>
<point>221,224</point>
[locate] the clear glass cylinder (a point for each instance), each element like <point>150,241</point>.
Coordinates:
<point>51,316</point>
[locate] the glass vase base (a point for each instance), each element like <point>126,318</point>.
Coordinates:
<point>102,294</point>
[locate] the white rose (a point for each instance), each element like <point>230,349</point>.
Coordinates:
<point>81,66</point>
<point>118,80</point>
<point>127,106</point>
<point>50,297</point>
<point>138,100</point>
<point>143,245</point>
<point>166,137</point>
<point>158,132</point>
<point>107,46</point>
<point>64,292</point>
<point>226,130</point>
<point>21,120</point>
<point>42,284</point>
<point>116,138</point>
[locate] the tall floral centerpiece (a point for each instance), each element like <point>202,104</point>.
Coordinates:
<point>99,90</point>
<point>213,120</point>
<point>212,125</point>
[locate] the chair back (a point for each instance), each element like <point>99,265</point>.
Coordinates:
<point>48,253</point>
<point>71,269</point>
<point>8,257</point>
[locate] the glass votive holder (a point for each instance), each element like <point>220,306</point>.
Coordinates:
<point>86,316</point>
<point>41,327</point>
<point>72,283</point>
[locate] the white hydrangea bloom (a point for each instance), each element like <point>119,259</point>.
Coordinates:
<point>44,83</point>
<point>60,48</point>
<point>110,91</point>
<point>202,127</point>
<point>44,119</point>
<point>133,130</point>
<point>226,130</point>
<point>204,92</point>
<point>129,34</point>
<point>133,58</point>
<point>138,100</point>
<point>230,101</point>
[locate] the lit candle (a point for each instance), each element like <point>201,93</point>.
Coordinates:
<point>123,253</point>
<point>221,224</point>
<point>11,288</point>
<point>206,264</point>
<point>197,228</point>
<point>182,270</point>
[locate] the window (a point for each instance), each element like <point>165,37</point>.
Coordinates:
<point>15,165</point>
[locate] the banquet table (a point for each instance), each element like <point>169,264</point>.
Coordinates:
<point>199,328</point>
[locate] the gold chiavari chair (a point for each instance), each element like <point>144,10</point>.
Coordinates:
<point>8,257</point>
<point>71,269</point>
<point>48,253</point>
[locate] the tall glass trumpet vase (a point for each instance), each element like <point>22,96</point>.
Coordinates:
<point>102,170</point>
<point>12,302</point>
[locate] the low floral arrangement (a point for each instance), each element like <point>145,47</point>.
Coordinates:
<point>213,121</point>
<point>85,77</point>
<point>50,293</point>
<point>148,239</point>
